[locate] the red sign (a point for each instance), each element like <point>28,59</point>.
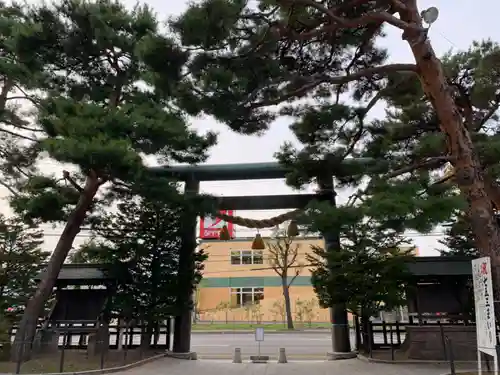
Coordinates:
<point>210,227</point>
<point>484,268</point>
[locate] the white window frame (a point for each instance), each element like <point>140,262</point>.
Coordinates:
<point>252,252</point>
<point>239,291</point>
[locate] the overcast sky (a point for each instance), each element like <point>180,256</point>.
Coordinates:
<point>459,23</point>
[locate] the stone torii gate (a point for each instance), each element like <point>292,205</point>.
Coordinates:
<point>192,176</point>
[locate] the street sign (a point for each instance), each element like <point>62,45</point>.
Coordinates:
<point>485,310</point>
<point>259,334</point>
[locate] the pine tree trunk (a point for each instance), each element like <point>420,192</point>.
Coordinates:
<point>21,349</point>
<point>469,173</point>
<point>156,334</point>
<point>288,304</point>
<point>365,331</point>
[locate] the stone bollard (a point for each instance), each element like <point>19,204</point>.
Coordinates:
<point>237,355</point>
<point>282,356</point>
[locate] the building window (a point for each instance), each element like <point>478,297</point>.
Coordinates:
<point>246,296</point>
<point>239,257</point>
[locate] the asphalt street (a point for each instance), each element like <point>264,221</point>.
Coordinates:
<point>298,345</point>
<point>208,345</point>
<point>301,345</point>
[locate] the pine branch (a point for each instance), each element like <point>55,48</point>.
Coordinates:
<point>7,86</point>
<point>427,163</point>
<point>9,188</point>
<point>492,111</point>
<point>337,80</point>
<point>18,135</point>
<point>73,183</point>
<point>337,22</point>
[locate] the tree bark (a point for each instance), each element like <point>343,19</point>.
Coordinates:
<point>288,304</point>
<point>147,331</point>
<point>469,173</point>
<point>156,334</point>
<point>25,334</point>
<point>365,331</point>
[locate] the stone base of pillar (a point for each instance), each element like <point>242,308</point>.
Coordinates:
<point>335,356</point>
<point>189,355</point>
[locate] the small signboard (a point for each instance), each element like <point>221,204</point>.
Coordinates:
<point>483,298</point>
<point>259,334</point>
<point>390,316</point>
<point>485,311</point>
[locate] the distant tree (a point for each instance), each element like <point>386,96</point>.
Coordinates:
<point>141,243</point>
<point>459,239</point>
<point>282,256</point>
<point>278,310</point>
<point>226,307</point>
<point>369,265</point>
<point>21,260</point>
<point>109,86</point>
<point>89,252</point>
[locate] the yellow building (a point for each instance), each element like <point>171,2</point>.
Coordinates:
<point>239,284</point>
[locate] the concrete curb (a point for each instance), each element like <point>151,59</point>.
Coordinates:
<point>273,357</point>
<point>411,361</point>
<point>108,370</point>
<point>227,332</point>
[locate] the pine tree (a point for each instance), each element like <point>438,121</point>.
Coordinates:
<point>110,89</point>
<point>87,253</point>
<point>411,130</point>
<point>141,244</point>
<point>24,47</point>
<point>369,263</point>
<point>459,239</point>
<point>260,60</point>
<point>21,259</point>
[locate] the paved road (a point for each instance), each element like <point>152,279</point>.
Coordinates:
<point>302,345</point>
<point>222,345</point>
<point>216,367</point>
<point>219,342</point>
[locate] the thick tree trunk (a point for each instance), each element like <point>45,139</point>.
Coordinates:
<point>119,334</point>
<point>147,330</point>
<point>25,334</point>
<point>365,331</point>
<point>156,334</point>
<point>469,173</point>
<point>288,304</point>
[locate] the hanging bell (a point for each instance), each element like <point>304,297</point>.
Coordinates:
<point>224,234</point>
<point>258,243</point>
<point>293,229</point>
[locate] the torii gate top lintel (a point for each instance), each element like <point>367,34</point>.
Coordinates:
<point>234,172</point>
<point>225,172</point>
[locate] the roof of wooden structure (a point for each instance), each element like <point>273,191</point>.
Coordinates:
<point>441,266</point>
<point>81,274</point>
